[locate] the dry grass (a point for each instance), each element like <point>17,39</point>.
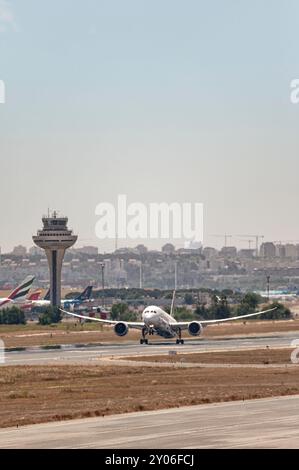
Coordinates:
<point>73,332</point>
<point>33,394</point>
<point>253,356</point>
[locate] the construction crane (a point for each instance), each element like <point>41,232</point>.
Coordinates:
<point>257,239</point>
<point>284,241</point>
<point>225,236</point>
<point>249,241</point>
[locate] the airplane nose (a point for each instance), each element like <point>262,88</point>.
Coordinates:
<point>146,316</point>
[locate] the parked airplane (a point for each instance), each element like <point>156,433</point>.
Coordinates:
<point>28,303</point>
<point>18,295</point>
<point>85,296</point>
<point>157,321</point>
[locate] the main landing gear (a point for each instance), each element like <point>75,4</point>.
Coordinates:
<point>179,339</point>
<point>143,340</point>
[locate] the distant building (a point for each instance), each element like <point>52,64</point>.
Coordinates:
<point>142,249</point>
<point>209,252</point>
<point>193,245</point>
<point>247,253</point>
<point>88,250</point>
<point>168,248</point>
<point>19,250</point>
<point>35,251</point>
<point>291,251</point>
<point>268,250</point>
<point>229,251</point>
<point>280,251</point>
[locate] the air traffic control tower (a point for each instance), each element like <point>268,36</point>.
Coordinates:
<point>55,238</point>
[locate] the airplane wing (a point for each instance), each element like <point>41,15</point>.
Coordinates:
<point>131,324</point>
<point>184,325</point>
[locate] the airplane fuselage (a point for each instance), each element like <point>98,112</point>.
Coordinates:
<point>64,303</point>
<point>157,321</point>
<point>4,302</point>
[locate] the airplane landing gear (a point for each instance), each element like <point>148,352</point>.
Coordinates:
<point>179,339</point>
<point>144,340</point>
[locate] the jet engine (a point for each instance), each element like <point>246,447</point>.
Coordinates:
<point>194,328</point>
<point>121,329</point>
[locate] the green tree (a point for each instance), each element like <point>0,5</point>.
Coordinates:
<point>281,312</point>
<point>50,315</point>
<point>220,308</point>
<point>188,298</point>
<point>183,314</point>
<point>202,312</point>
<point>248,304</point>
<point>118,311</point>
<point>12,316</point>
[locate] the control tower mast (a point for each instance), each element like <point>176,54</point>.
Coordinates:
<point>55,238</point>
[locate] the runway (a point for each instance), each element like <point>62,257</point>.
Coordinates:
<point>90,354</point>
<point>266,423</point>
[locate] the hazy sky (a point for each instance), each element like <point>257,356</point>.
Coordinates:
<point>162,100</point>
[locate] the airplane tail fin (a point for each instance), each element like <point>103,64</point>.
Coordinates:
<point>172,303</point>
<point>47,296</point>
<point>22,290</point>
<point>86,294</point>
<point>34,295</point>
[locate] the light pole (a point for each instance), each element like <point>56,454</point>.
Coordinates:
<point>102,265</point>
<point>103,274</point>
<point>175,275</point>
<point>268,287</point>
<point>140,276</point>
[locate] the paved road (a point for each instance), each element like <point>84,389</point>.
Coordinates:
<point>265,423</point>
<point>75,355</point>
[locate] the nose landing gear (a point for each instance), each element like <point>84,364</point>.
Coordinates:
<point>179,339</point>
<point>144,340</point>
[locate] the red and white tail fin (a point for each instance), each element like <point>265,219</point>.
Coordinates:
<point>22,290</point>
<point>34,295</point>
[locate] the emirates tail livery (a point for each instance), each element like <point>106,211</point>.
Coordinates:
<point>18,295</point>
<point>29,301</point>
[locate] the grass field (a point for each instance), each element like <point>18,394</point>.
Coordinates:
<point>252,356</point>
<point>33,394</point>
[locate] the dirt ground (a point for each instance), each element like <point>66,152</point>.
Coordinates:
<point>73,332</point>
<point>256,356</point>
<point>34,394</point>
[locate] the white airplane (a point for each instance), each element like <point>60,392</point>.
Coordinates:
<point>18,295</point>
<point>84,297</point>
<point>157,321</point>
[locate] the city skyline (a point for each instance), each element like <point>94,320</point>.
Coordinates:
<point>248,245</point>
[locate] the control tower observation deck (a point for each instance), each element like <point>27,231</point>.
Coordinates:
<point>55,238</point>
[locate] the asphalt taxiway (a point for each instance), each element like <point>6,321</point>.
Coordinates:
<point>89,354</point>
<point>265,423</point>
